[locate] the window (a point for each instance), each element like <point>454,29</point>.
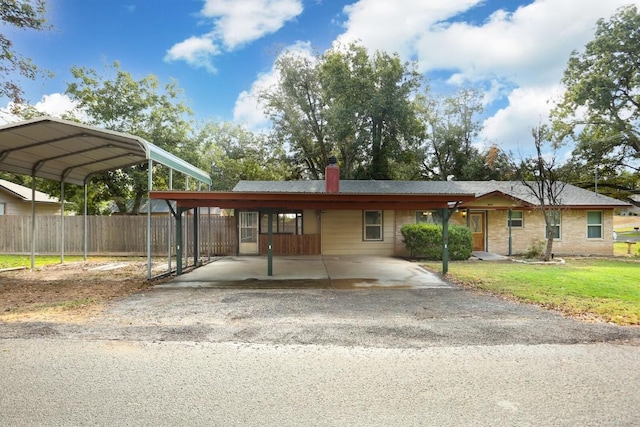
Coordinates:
<point>517,219</point>
<point>556,224</point>
<point>428,217</point>
<point>372,225</point>
<point>1,208</point>
<point>283,223</point>
<point>594,225</point>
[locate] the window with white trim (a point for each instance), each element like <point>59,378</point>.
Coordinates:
<point>372,225</point>
<point>2,205</point>
<point>594,225</point>
<point>517,219</point>
<point>556,224</point>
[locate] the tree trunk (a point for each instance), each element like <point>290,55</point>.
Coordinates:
<point>549,246</point>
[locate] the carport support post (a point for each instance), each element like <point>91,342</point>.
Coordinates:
<point>178,216</point>
<point>445,240</point>
<point>196,237</point>
<point>270,246</point>
<point>510,240</point>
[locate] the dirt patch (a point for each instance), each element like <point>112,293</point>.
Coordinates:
<point>69,291</point>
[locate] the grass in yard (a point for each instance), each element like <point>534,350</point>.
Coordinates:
<point>600,288</point>
<point>621,249</point>
<point>12,261</point>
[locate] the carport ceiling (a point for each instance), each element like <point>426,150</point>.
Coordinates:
<point>66,151</point>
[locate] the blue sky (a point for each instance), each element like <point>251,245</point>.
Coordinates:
<point>222,51</point>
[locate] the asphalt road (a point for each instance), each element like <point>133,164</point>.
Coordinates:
<point>52,382</point>
<point>256,356</point>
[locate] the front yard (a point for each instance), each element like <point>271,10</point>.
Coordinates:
<point>592,289</point>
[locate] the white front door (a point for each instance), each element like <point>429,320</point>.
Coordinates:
<point>248,230</point>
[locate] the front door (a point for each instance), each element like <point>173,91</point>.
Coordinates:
<point>248,233</point>
<point>478,227</point>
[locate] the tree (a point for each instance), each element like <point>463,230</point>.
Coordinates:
<point>297,109</point>
<point>22,14</point>
<point>234,153</point>
<point>541,176</point>
<point>452,126</point>
<point>349,104</point>
<point>139,107</point>
<point>600,109</point>
<point>372,115</point>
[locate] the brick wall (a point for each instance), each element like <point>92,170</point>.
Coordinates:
<point>573,239</point>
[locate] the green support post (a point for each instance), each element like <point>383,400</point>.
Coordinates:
<point>270,246</point>
<point>510,240</point>
<point>178,217</point>
<point>196,237</point>
<point>445,241</point>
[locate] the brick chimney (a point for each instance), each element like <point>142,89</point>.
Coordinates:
<point>332,176</point>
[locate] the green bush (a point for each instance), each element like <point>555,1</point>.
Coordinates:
<point>425,241</point>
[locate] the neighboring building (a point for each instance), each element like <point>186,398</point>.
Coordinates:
<point>584,225</point>
<point>16,200</point>
<point>633,210</point>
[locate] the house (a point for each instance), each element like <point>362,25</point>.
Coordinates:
<point>344,217</point>
<point>16,200</point>
<point>503,216</point>
<point>633,210</point>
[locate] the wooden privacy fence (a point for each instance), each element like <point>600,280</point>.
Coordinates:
<point>122,235</point>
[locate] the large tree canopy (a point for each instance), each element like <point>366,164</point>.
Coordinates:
<point>600,109</point>
<point>233,153</point>
<point>349,104</point>
<point>142,107</point>
<point>452,128</point>
<point>23,14</point>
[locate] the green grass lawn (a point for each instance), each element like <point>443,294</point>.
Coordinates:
<point>10,261</point>
<point>621,249</point>
<point>602,288</point>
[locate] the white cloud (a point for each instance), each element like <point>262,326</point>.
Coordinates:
<point>510,127</point>
<point>235,23</point>
<point>248,109</point>
<point>56,105</point>
<point>520,55</point>
<point>195,51</point>
<point>240,22</point>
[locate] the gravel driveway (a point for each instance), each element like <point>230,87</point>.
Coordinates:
<point>390,318</point>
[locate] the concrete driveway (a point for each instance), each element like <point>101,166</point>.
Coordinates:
<point>338,272</point>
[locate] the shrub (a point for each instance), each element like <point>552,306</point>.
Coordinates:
<point>425,240</point>
<point>536,250</point>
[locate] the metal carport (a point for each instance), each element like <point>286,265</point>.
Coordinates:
<point>70,152</point>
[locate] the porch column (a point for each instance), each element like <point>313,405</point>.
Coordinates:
<point>270,245</point>
<point>445,240</point>
<point>510,241</point>
<point>178,217</point>
<point>196,237</point>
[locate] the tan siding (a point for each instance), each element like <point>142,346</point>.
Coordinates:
<point>342,234</point>
<point>491,202</point>
<point>18,206</point>
<point>310,221</point>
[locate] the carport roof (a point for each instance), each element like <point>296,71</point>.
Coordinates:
<point>60,150</point>
<point>359,195</point>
